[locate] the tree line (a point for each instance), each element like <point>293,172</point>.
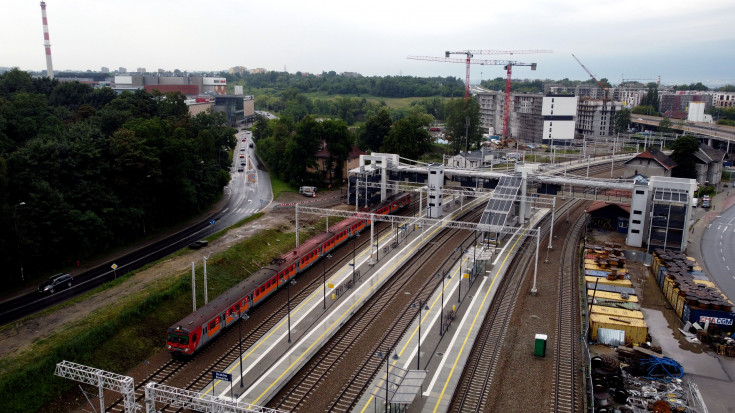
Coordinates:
<point>84,170</point>
<point>333,84</point>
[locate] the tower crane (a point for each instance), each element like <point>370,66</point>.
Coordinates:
<point>469,54</point>
<point>604,88</point>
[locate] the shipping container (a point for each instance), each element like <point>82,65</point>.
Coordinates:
<point>612,296</point>
<point>616,312</point>
<point>603,280</point>
<point>723,319</point>
<point>636,330</point>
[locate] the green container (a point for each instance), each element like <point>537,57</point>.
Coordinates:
<point>539,348</point>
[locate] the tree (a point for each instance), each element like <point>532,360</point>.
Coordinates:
<point>684,149</point>
<point>665,125</point>
<point>459,112</point>
<point>339,143</point>
<point>376,129</point>
<point>409,137</point>
<point>622,120</point>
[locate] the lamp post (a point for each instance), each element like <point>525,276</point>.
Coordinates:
<point>387,363</point>
<point>441,310</point>
<point>17,234</point>
<point>459,277</point>
<point>243,317</point>
<point>421,306</point>
<point>324,277</point>
<point>354,242</point>
<point>288,289</point>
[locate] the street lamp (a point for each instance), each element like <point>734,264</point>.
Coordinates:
<point>288,289</point>
<point>421,306</point>
<point>324,276</point>
<point>354,242</point>
<point>387,362</point>
<point>243,317</point>
<point>17,234</point>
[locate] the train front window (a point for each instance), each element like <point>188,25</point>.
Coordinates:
<point>178,338</point>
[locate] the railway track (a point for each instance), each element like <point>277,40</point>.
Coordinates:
<point>392,306</point>
<point>473,391</point>
<point>566,396</point>
<point>172,369</point>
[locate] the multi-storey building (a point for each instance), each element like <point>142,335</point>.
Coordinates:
<point>559,114</point>
<point>525,120</point>
<point>188,85</point>
<point>596,117</point>
<point>723,99</point>
<point>679,101</point>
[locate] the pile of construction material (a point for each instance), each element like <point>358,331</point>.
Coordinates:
<point>639,380</point>
<point>615,316</point>
<point>696,300</point>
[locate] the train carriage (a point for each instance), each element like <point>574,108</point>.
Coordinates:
<point>194,331</point>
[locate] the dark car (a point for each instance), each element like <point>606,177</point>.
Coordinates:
<point>198,244</point>
<point>56,283</point>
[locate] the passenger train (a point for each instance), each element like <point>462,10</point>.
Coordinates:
<point>193,332</point>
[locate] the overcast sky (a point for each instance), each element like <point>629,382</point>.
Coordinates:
<point>682,41</point>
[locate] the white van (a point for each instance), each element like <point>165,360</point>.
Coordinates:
<point>309,191</point>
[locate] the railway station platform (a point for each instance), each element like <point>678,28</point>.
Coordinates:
<point>270,363</point>
<point>443,357</point>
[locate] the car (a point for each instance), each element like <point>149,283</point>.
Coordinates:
<point>240,169</point>
<point>56,283</point>
<point>251,145</point>
<point>198,244</point>
<point>242,156</point>
<point>242,149</point>
<point>242,163</point>
<point>244,139</point>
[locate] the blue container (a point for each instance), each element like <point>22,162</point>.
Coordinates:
<point>722,319</point>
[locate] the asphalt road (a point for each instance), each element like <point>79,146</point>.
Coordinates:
<point>718,251</point>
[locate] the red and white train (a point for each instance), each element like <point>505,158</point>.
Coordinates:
<point>190,334</point>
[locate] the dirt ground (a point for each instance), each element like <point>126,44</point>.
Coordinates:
<point>24,332</point>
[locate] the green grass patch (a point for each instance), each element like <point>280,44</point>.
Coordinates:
<point>127,331</point>
<point>278,186</point>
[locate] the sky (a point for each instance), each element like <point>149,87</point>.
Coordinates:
<point>683,41</point>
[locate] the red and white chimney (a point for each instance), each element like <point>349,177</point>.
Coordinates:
<point>46,42</point>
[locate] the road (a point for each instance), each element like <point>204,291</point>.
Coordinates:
<point>718,251</point>
<point>248,192</point>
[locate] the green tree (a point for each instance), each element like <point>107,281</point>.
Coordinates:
<point>376,129</point>
<point>339,143</point>
<point>622,120</point>
<point>460,136</point>
<point>409,137</point>
<point>665,125</point>
<point>684,149</point>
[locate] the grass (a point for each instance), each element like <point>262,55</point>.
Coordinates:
<point>120,335</point>
<point>278,186</point>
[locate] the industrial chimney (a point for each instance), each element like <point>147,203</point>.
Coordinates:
<point>46,42</point>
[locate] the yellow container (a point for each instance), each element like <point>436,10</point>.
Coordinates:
<point>616,312</point>
<point>604,281</point>
<point>612,296</point>
<point>635,329</point>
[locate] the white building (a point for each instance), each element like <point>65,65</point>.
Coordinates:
<point>559,113</point>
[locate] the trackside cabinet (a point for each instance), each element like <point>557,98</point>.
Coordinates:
<point>539,347</point>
